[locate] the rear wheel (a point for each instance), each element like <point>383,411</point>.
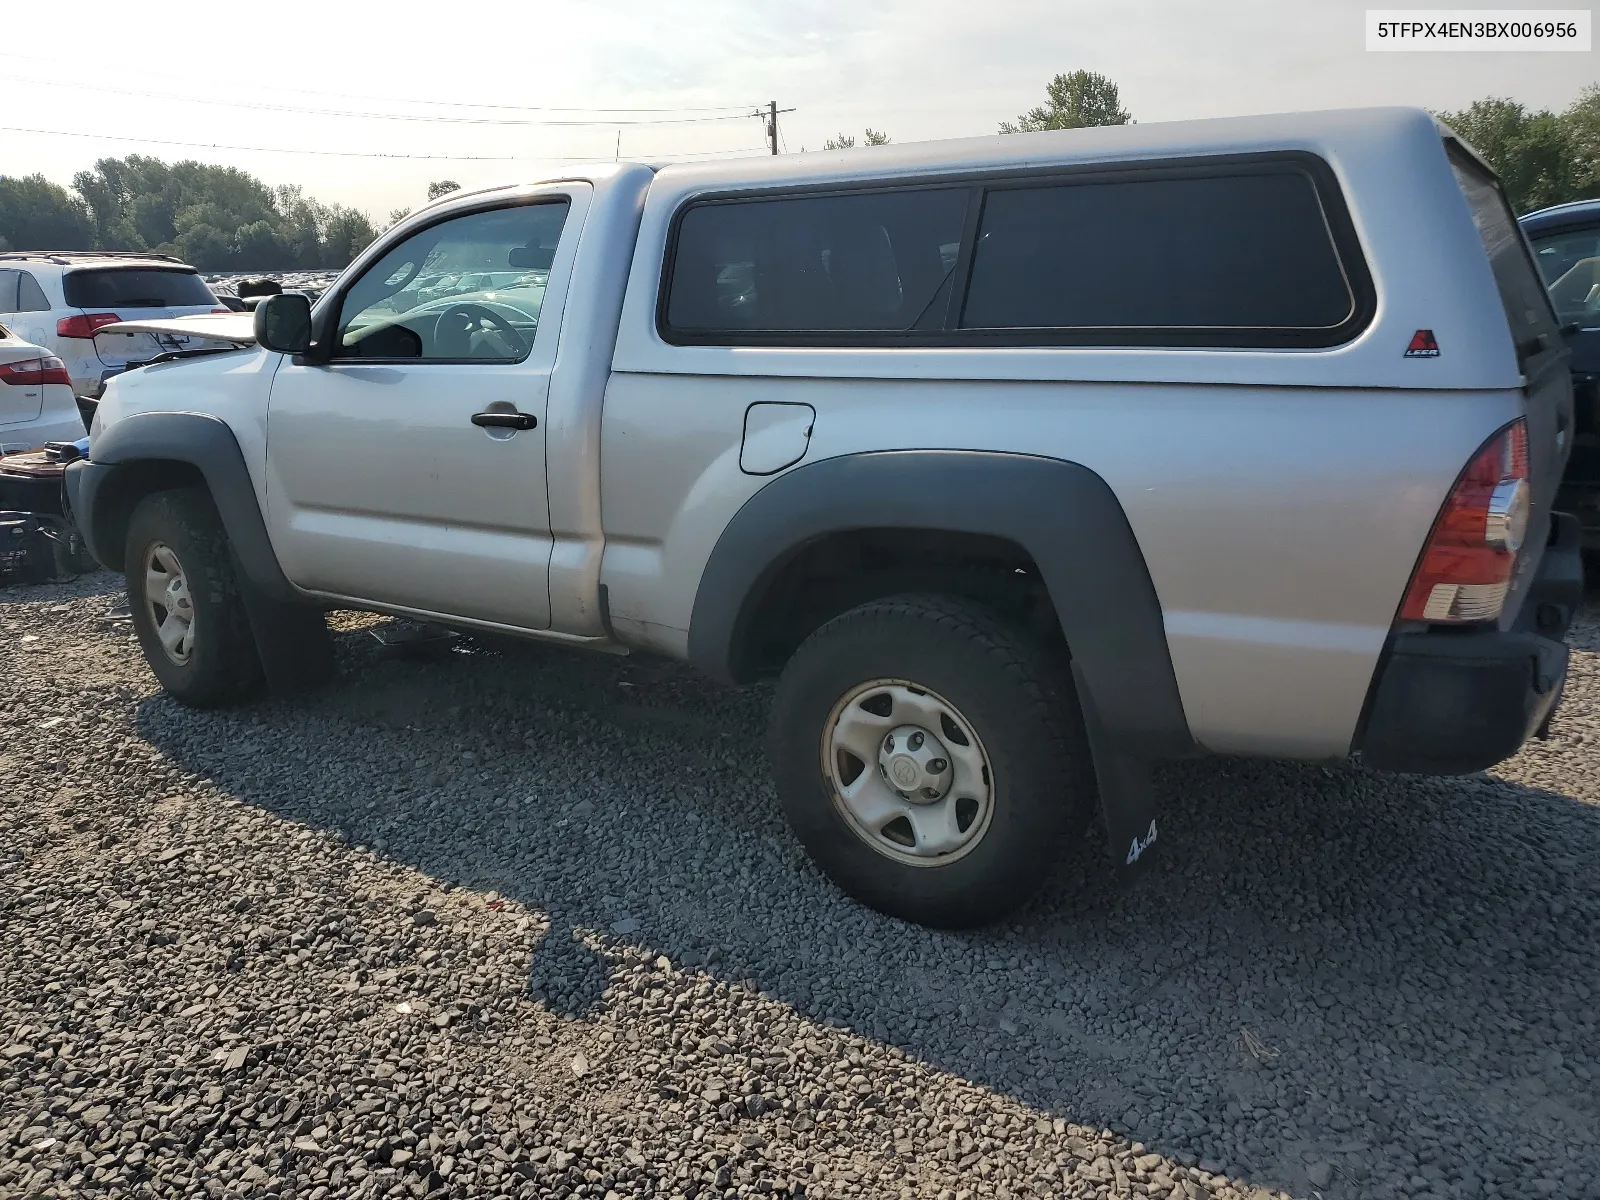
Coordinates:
<point>931,758</point>
<point>184,599</point>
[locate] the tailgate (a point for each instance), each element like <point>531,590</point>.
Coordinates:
<point>1542,353</point>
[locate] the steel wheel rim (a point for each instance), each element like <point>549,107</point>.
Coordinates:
<point>916,829</point>
<point>168,602</point>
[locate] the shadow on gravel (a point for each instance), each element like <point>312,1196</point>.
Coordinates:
<point>96,583</point>
<point>1375,979</point>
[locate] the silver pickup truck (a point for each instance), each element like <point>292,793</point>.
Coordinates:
<point>1021,463</point>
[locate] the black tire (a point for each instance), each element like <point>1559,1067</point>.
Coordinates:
<point>1011,690</point>
<point>221,665</point>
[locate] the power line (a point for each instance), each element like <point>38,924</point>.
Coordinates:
<point>111,137</point>
<point>740,109</point>
<point>263,106</point>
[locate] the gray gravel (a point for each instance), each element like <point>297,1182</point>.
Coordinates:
<point>526,923</point>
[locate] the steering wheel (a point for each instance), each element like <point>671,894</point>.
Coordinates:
<point>460,321</point>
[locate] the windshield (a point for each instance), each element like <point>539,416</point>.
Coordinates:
<point>136,287</point>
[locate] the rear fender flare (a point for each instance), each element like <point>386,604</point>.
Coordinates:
<point>1063,514</point>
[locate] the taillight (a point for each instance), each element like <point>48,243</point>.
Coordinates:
<point>84,325</point>
<point>35,371</point>
<point>1471,553</point>
<point>222,310</point>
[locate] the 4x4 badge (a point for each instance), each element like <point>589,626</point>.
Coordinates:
<point>1423,345</point>
<point>1140,845</point>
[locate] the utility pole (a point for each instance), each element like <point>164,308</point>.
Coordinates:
<point>769,116</point>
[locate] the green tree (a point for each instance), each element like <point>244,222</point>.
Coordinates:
<point>845,141</point>
<point>215,217</point>
<point>260,246</point>
<point>1539,156</point>
<point>442,187</point>
<point>305,221</point>
<point>206,247</point>
<point>1074,101</point>
<point>1582,120</point>
<point>36,214</point>
<point>349,233</point>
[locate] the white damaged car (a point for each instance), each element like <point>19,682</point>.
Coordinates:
<point>36,400</point>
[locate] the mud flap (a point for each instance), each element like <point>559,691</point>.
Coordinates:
<point>1127,793</point>
<point>292,641</point>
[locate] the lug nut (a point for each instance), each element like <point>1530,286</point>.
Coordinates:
<point>936,765</point>
<point>916,741</point>
<point>888,744</point>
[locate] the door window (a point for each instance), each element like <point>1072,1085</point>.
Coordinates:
<point>1569,265</point>
<point>465,290</point>
<point>8,290</point>
<point>30,296</point>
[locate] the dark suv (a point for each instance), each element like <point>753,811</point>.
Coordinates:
<point>1566,245</point>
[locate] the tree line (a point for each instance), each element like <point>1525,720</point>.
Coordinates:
<point>217,218</point>
<point>225,219</point>
<point>1542,157</point>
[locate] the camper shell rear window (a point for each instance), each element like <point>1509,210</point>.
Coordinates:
<point>1529,315</point>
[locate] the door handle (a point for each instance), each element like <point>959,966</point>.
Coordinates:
<point>505,420</point>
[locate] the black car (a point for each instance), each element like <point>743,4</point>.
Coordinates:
<point>1566,245</point>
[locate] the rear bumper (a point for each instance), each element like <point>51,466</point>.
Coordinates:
<point>1452,702</point>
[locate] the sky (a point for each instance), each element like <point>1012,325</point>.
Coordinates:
<point>513,77</point>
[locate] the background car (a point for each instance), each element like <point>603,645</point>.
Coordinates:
<point>1566,245</point>
<point>36,401</point>
<point>62,301</point>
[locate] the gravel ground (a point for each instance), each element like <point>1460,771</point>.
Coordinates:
<point>526,923</point>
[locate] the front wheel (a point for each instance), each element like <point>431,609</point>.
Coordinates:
<point>183,596</point>
<point>931,758</point>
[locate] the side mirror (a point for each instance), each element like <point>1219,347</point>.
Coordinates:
<point>283,323</point>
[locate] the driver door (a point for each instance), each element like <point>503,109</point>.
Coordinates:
<point>408,470</point>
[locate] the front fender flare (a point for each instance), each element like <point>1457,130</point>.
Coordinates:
<point>1063,514</point>
<point>97,489</point>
